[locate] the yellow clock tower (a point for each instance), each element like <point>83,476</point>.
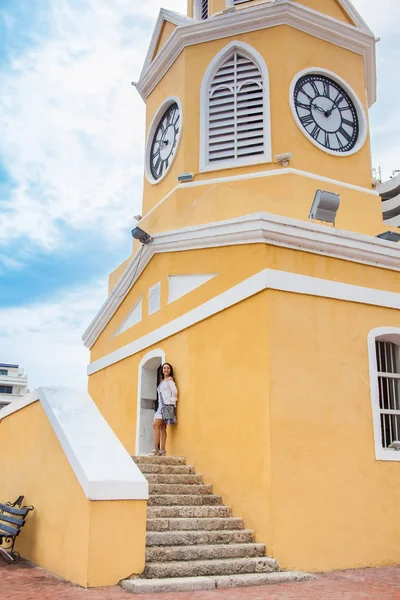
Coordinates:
<point>260,272</point>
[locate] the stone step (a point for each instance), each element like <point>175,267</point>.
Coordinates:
<point>192,584</point>
<point>174,553</point>
<point>191,524</point>
<point>167,469</point>
<point>158,489</point>
<point>194,538</point>
<point>232,581</point>
<point>174,479</point>
<point>200,568</point>
<point>160,460</point>
<point>182,512</point>
<point>184,500</point>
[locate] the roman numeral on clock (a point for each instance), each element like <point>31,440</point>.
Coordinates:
<point>307,120</point>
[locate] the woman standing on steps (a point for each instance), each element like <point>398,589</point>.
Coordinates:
<point>166,410</point>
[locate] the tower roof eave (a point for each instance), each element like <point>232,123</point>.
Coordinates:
<point>190,32</point>
<point>355,16</point>
<point>171,17</point>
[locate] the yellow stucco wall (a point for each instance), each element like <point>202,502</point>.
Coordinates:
<point>277,417</point>
<point>274,404</point>
<point>116,275</point>
<point>166,31</point>
<point>231,265</point>
<point>67,534</point>
<point>286,51</point>
<point>334,505</point>
<point>212,411</point>
<point>332,8</point>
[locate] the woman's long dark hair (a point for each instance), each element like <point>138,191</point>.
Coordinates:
<point>160,375</point>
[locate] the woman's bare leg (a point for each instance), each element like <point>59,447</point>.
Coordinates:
<point>163,437</point>
<point>158,423</point>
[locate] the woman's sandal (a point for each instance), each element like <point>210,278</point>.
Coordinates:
<point>155,453</point>
<point>162,453</point>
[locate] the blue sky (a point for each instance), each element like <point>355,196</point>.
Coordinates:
<point>71,161</point>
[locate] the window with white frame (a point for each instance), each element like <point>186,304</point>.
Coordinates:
<point>388,366</point>
<point>235,109</point>
<point>201,9</point>
<point>384,367</point>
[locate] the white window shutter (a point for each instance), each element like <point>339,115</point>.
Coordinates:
<point>236,126</point>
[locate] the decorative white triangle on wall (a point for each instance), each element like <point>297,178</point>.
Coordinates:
<point>180,285</point>
<point>134,317</point>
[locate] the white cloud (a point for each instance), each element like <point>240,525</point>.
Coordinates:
<point>45,339</point>
<point>71,136</point>
<point>382,17</point>
<point>72,126</point>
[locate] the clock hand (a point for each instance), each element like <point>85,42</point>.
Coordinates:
<point>318,108</point>
<point>327,113</point>
<point>334,105</point>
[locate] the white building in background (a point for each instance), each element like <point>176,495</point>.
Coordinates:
<point>389,191</point>
<point>13,383</point>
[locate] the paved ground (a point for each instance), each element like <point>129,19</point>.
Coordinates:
<point>24,582</point>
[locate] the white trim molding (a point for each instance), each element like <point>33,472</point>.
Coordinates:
<point>384,334</point>
<point>252,54</point>
<point>262,228</point>
<point>169,16</point>
<point>100,462</point>
<point>362,118</point>
<point>156,353</point>
<point>268,279</point>
<point>355,16</point>
<point>263,16</point>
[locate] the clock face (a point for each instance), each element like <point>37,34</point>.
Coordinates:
<point>327,113</point>
<point>165,142</point>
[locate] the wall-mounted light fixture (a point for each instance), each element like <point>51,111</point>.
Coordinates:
<point>284,159</point>
<point>143,237</point>
<point>325,207</point>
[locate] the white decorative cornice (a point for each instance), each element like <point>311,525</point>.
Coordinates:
<point>283,12</point>
<point>267,279</point>
<point>252,229</point>
<point>171,17</point>
<point>355,16</point>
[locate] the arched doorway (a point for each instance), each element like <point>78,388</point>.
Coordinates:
<point>147,396</point>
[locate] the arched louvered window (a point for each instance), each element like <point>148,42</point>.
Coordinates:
<point>235,110</point>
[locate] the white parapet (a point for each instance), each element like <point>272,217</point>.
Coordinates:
<point>102,465</point>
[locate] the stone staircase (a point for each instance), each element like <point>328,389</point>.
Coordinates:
<point>193,541</point>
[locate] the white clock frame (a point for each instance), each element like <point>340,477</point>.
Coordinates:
<point>362,118</point>
<point>153,127</point>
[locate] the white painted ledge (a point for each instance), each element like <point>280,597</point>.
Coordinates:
<point>100,462</point>
<point>268,279</point>
<point>264,228</point>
